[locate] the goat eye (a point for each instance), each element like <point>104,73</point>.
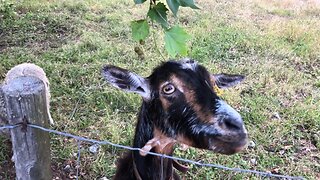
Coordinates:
<point>168,89</point>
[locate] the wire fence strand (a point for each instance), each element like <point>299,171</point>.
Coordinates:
<point>79,139</point>
<point>8,127</point>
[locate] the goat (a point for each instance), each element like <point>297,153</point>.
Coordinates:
<point>180,106</point>
<point>28,69</point>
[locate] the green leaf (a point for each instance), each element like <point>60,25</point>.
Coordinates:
<point>139,1</point>
<point>188,3</point>
<point>158,13</point>
<point>140,29</point>
<point>174,6</point>
<point>175,41</point>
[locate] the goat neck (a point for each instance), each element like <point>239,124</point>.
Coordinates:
<point>150,138</point>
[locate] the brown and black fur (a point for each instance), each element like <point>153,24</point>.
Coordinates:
<point>192,114</point>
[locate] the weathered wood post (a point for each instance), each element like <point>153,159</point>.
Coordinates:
<point>3,114</point>
<point>25,101</point>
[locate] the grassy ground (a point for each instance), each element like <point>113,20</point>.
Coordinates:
<point>274,43</point>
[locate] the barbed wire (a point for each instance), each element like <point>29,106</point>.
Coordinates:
<point>79,139</point>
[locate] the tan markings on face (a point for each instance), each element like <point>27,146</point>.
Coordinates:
<point>165,103</point>
<point>177,84</point>
<point>204,115</point>
<point>162,143</point>
<point>184,141</point>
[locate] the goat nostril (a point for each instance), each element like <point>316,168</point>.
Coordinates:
<point>233,124</point>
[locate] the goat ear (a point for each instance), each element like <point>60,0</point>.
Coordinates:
<point>224,81</point>
<point>126,80</point>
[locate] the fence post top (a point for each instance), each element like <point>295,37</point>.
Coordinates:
<point>23,85</point>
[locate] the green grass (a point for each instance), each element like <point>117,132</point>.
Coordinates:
<point>275,44</point>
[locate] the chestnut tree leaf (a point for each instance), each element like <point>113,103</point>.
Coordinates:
<point>139,1</point>
<point>158,13</point>
<point>176,41</point>
<point>140,29</point>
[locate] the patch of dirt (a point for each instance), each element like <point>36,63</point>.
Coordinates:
<point>60,171</point>
<point>311,67</point>
<point>306,148</point>
<point>66,170</point>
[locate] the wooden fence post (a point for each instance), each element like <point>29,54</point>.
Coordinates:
<point>3,114</point>
<point>25,100</point>
<point>2,104</point>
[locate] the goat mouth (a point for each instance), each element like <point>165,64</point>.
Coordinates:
<point>227,147</point>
